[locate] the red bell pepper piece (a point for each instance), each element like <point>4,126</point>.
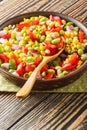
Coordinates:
<point>6,36</point>
<point>48,76</point>
<point>81,36</point>
<point>20,68</point>
<point>22,25</point>
<point>4,58</point>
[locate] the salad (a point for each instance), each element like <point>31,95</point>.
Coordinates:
<point>23,45</point>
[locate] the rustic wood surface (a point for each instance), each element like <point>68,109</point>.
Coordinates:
<point>44,111</point>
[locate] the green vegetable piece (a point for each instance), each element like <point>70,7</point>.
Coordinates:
<point>7,48</point>
<point>80,51</point>
<point>62,32</point>
<point>1,49</point>
<point>12,64</point>
<point>68,41</point>
<point>43,74</point>
<point>51,71</point>
<point>56,41</point>
<point>42,38</point>
<point>43,19</point>
<point>84,57</point>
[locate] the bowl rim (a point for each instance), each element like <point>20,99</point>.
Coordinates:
<point>47,13</point>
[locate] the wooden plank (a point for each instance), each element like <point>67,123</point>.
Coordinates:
<point>55,115</point>
<point>12,109</point>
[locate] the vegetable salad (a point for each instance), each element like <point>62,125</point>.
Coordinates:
<point>22,47</point>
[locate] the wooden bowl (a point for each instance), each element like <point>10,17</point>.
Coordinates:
<point>52,83</point>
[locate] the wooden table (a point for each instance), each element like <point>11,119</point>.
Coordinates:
<point>44,111</point>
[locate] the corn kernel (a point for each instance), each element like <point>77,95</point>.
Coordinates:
<point>13,35</point>
<point>16,53</point>
<point>75,40</point>
<point>22,42</point>
<point>67,33</point>
<point>43,53</point>
<point>6,28</point>
<point>42,47</point>
<point>80,62</point>
<point>72,34</point>
<point>30,43</point>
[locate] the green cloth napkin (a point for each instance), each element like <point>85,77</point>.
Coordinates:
<point>79,85</point>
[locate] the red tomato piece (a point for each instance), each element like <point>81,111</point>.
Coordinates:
<point>29,68</point>
<point>20,68</point>
<point>16,59</point>
<point>56,29</point>
<point>61,44</point>
<point>81,36</point>
<point>37,61</point>
<point>25,49</point>
<point>53,48</point>
<point>44,68</point>
<point>32,36</point>
<point>22,25</point>
<point>4,57</point>
<point>68,66</point>
<point>48,76</point>
<point>73,61</point>
<point>35,22</point>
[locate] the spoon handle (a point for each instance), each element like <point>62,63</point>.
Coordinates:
<point>26,89</point>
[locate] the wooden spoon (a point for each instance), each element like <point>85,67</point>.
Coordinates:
<point>27,87</point>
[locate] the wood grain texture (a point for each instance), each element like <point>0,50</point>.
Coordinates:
<point>44,111</point>
<point>55,115</point>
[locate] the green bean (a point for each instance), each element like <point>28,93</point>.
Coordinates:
<point>56,41</point>
<point>51,71</point>
<point>1,49</point>
<point>43,74</point>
